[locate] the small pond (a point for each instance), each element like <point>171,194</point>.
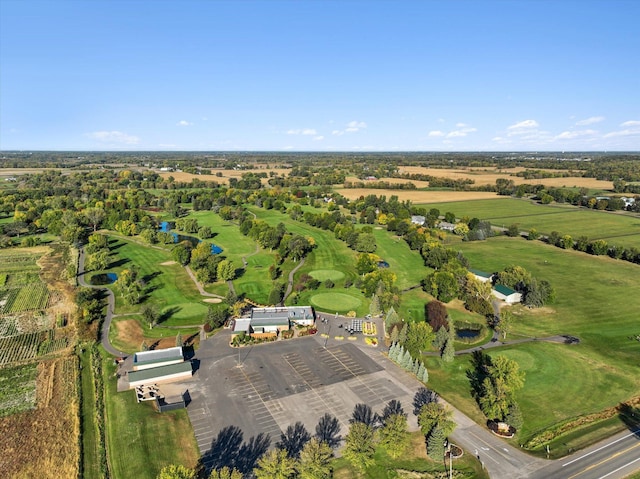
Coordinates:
<point>468,333</point>
<point>178,238</point>
<point>101,279</point>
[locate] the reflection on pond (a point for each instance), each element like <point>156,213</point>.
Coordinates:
<point>468,333</point>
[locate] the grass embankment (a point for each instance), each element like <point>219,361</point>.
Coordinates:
<point>597,301</point>
<point>91,441</point>
<point>412,463</point>
<point>616,228</point>
<point>141,441</point>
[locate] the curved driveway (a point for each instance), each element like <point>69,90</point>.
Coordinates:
<point>111,306</point>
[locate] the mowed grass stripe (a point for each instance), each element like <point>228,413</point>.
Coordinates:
<point>616,228</point>
<point>169,285</point>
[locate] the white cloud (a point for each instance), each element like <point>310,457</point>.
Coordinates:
<point>114,137</point>
<point>623,133</point>
<point>569,135</point>
<point>352,127</point>
<point>302,131</point>
<point>460,125</point>
<point>184,123</point>
<point>436,133</point>
<point>167,145</point>
<point>590,120</point>
<point>461,132</point>
<point>523,125</point>
<point>318,138</point>
<point>631,128</point>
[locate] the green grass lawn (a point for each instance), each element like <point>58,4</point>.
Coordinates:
<point>415,460</point>
<point>226,235</point>
<point>335,301</point>
<point>171,289</point>
<point>598,301</point>
<point>90,458</point>
<point>615,228</point>
<point>141,441</point>
<point>406,263</point>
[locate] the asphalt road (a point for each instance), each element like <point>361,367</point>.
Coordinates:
<point>615,458</point>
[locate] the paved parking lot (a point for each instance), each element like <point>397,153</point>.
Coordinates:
<point>284,382</point>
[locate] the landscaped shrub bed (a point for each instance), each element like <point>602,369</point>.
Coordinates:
<point>307,332</point>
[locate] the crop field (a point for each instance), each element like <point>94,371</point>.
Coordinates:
<point>27,346</point>
<point>32,297</point>
<point>615,228</point>
<point>44,442</point>
<point>17,389</point>
<point>597,300</point>
<point>488,176</point>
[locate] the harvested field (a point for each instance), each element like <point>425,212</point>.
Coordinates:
<point>393,181</point>
<point>488,176</point>
<point>43,443</point>
<point>419,196</point>
<point>226,174</point>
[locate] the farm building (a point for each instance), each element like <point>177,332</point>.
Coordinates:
<point>274,319</point>
<point>162,374</point>
<point>446,226</point>
<point>506,294</point>
<point>156,358</point>
<point>481,275</point>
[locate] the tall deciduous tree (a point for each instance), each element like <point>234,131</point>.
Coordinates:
<point>174,471</point>
<point>394,435</point>
<point>225,473</point>
<point>419,337</point>
<point>315,458</point>
<point>275,464</point>
<point>359,446</point>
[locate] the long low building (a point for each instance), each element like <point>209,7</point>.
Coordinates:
<point>275,319</point>
<point>506,294</point>
<point>161,374</point>
<point>156,358</point>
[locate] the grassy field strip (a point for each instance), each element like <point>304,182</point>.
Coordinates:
<point>90,461</point>
<point>618,229</point>
<point>139,440</point>
<point>407,264</point>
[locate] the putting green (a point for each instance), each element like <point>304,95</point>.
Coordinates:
<point>335,301</point>
<point>325,274</point>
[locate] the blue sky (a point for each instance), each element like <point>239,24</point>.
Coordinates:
<point>320,75</point>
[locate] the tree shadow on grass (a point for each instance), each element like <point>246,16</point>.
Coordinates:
<point>118,263</point>
<point>228,450</point>
<point>630,416</point>
<point>167,313</point>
